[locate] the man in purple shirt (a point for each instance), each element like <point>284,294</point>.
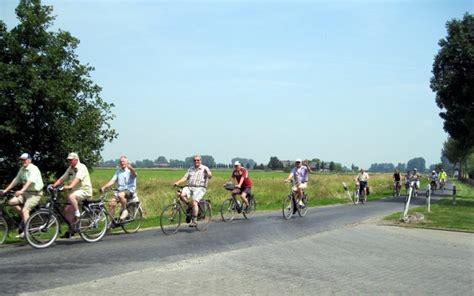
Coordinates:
<point>300,176</point>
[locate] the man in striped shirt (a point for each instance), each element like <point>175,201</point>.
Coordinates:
<point>197,177</point>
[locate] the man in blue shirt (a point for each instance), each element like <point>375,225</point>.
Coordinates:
<point>126,179</point>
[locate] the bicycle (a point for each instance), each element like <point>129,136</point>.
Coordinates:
<point>171,216</point>
<point>291,205</point>
<point>6,219</point>
<point>43,227</point>
<point>231,206</point>
<point>396,188</point>
<point>132,222</point>
<point>358,198</point>
<point>432,187</point>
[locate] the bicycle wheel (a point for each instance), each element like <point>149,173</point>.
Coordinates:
<point>134,219</point>
<point>42,229</point>
<point>303,209</point>
<point>250,210</point>
<point>204,215</point>
<point>355,197</point>
<point>288,207</point>
<point>3,229</point>
<point>93,225</point>
<point>170,219</point>
<point>228,210</point>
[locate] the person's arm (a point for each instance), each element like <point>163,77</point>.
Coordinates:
<point>208,173</point>
<point>11,185</point>
<point>132,170</point>
<point>306,164</point>
<point>74,182</point>
<point>110,183</point>
<point>184,178</point>
<point>23,189</point>
<point>58,182</point>
<point>290,176</point>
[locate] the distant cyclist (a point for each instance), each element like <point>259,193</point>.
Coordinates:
<point>244,184</point>
<point>397,178</point>
<point>433,176</point>
<point>363,179</point>
<point>300,176</point>
<point>415,180</point>
<point>442,178</point>
<point>407,180</point>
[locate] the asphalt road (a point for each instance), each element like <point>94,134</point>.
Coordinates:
<point>327,252</point>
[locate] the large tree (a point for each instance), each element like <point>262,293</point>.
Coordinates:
<point>453,80</point>
<point>49,106</point>
<point>418,163</point>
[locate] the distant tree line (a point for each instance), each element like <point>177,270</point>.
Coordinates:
<point>273,164</point>
<point>418,163</point>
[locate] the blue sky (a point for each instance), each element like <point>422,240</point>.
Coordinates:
<point>346,81</point>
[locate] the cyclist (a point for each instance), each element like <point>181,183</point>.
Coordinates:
<point>126,178</point>
<point>433,179</point>
<point>363,180</point>
<point>407,180</point>
<point>442,178</point>
<point>244,184</point>
<point>415,180</point>
<point>29,176</point>
<point>197,178</point>
<point>300,176</point>
<point>80,185</point>
<point>397,179</point>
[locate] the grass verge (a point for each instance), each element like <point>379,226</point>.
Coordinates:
<point>445,215</point>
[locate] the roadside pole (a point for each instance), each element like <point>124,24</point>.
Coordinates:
<point>428,200</point>
<point>407,204</point>
<point>347,190</point>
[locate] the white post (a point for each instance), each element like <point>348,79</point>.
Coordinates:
<point>347,190</point>
<point>428,200</point>
<point>407,205</point>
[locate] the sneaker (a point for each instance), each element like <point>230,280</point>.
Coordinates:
<point>21,235</point>
<point>300,203</point>
<point>193,224</point>
<point>124,215</point>
<point>67,234</point>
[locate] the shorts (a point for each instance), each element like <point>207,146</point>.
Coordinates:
<point>128,195</point>
<point>28,199</point>
<point>81,195</point>
<point>300,185</point>
<point>197,193</point>
<point>416,184</point>
<point>246,190</point>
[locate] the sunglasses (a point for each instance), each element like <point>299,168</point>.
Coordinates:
<point>197,160</point>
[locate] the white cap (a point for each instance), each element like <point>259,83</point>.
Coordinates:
<point>298,160</point>
<point>73,155</point>
<point>237,163</point>
<point>25,156</point>
<point>433,171</point>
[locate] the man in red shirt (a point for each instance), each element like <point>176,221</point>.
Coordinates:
<point>244,184</point>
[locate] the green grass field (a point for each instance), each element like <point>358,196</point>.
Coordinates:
<point>155,187</point>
